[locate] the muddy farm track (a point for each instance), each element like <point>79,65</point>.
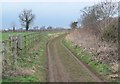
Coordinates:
<point>63,66</point>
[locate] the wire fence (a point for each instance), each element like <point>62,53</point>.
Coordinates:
<point>14,46</point>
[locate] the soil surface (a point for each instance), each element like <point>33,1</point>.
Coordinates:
<point>63,66</point>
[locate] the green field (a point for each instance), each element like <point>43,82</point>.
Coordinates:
<point>5,35</point>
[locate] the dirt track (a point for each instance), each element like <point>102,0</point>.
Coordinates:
<point>63,66</point>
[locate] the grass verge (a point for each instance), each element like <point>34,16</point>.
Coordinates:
<point>81,54</point>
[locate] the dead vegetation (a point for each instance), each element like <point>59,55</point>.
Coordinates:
<point>103,51</point>
<point>98,34</point>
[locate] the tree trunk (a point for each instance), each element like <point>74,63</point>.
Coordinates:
<point>27,26</point>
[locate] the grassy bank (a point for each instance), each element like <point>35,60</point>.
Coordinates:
<point>81,54</point>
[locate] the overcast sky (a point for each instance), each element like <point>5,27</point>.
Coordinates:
<point>56,13</point>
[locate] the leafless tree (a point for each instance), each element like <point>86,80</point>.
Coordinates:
<point>26,18</point>
<point>92,16</point>
<point>108,9</point>
<point>100,11</point>
<point>49,28</point>
<point>73,25</point>
<point>13,26</point>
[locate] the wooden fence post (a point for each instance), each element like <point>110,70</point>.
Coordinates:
<point>19,42</point>
<point>15,51</point>
<point>39,35</point>
<point>31,39</point>
<point>34,38</point>
<point>25,42</point>
<point>10,43</point>
<point>3,52</point>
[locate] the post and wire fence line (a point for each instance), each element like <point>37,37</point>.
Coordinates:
<point>14,46</point>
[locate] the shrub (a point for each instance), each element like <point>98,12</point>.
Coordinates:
<point>110,33</point>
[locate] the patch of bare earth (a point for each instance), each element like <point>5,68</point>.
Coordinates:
<point>103,52</point>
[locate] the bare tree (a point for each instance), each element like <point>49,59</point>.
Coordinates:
<point>74,25</point>
<point>26,18</point>
<point>13,26</point>
<point>93,15</point>
<point>108,9</point>
<point>49,28</point>
<point>90,15</point>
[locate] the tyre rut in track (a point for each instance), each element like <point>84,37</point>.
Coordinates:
<point>64,67</point>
